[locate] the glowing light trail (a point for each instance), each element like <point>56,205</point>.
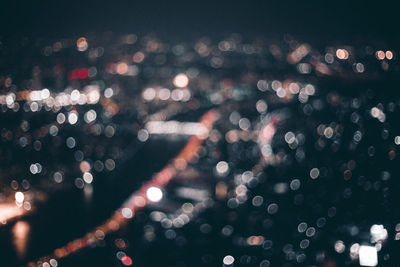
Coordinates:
<point>137,200</point>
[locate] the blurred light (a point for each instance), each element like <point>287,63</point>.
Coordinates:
<point>126,260</point>
<point>378,233</point>
<point>88,177</point>
<point>71,142</point>
<point>368,256</point>
<point>82,44</point>
<point>177,128</point>
<point>389,55</point>
<point>339,246</point>
<point>109,92</point>
<point>149,94</point>
<point>138,57</point>
<point>380,55</point>
<point>90,116</point>
<point>342,54</point>
<point>127,213</point>
<point>222,168</point>
<point>255,240</point>
<point>228,260</point>
<point>20,232</point>
<point>122,68</point>
<point>397,140</point>
<point>92,94</point>
<point>314,173</point>
<point>154,194</point>
<point>73,117</point>
<point>164,94</point>
<point>60,118</point>
<point>79,183</point>
<point>143,135</point>
<point>53,262</point>
<point>19,197</point>
<point>181,80</point>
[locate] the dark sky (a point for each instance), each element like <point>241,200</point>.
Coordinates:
<point>308,18</point>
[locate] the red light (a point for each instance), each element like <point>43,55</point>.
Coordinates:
<point>126,260</point>
<point>73,75</point>
<point>83,73</point>
<point>79,74</point>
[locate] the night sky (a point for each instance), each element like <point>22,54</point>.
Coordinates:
<point>318,20</point>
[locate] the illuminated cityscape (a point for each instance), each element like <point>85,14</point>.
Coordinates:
<point>129,148</point>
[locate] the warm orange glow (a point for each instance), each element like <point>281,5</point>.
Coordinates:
<point>389,54</point>
<point>20,232</point>
<point>10,211</point>
<point>122,68</point>
<point>255,240</point>
<point>380,55</point>
<point>342,54</point>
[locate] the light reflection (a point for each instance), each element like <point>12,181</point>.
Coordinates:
<point>20,237</point>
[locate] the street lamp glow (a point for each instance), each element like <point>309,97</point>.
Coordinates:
<point>154,194</point>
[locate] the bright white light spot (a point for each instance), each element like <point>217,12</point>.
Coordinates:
<point>397,140</point>
<point>222,167</point>
<point>127,213</point>
<point>35,168</point>
<point>154,194</point>
<point>75,94</point>
<point>109,92</point>
<point>368,256</point>
<point>90,116</point>
<point>228,260</point>
<point>72,117</point>
<point>378,233</point>
<point>19,197</point>
<point>92,94</point>
<point>45,93</point>
<point>88,177</point>
<point>181,80</point>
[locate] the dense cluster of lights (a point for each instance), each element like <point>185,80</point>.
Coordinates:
<point>261,160</point>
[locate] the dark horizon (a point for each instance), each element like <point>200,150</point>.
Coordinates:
<point>317,20</point>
